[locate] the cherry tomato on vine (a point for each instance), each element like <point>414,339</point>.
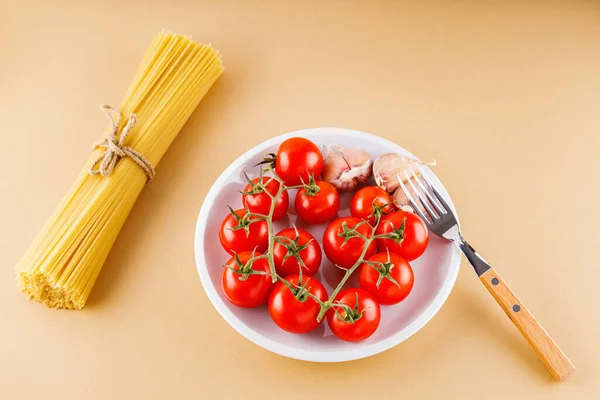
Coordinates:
<point>388,277</point>
<point>240,232</point>
<point>411,234</point>
<point>318,202</point>
<point>341,245</point>
<point>358,320</point>
<point>293,310</point>
<point>259,202</point>
<point>369,202</point>
<point>242,281</point>
<point>301,244</point>
<point>298,159</point>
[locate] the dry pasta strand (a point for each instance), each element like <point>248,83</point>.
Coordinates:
<point>61,266</point>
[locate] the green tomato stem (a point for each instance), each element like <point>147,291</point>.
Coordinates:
<point>367,242</point>
<point>347,275</point>
<point>269,220</point>
<point>294,187</point>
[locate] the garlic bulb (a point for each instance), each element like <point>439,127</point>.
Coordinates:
<point>346,168</point>
<point>389,166</point>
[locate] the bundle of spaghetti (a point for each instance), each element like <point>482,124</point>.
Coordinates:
<point>61,266</point>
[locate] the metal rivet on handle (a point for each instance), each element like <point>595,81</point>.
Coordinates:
<point>516,308</point>
<point>495,281</point>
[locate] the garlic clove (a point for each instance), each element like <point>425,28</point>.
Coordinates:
<point>401,200</point>
<point>344,185</point>
<point>389,166</point>
<point>364,172</point>
<point>360,162</point>
<point>334,165</point>
<point>345,167</point>
<point>355,157</point>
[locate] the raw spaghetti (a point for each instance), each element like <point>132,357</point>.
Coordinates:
<point>62,264</point>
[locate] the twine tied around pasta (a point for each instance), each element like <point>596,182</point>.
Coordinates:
<point>115,148</point>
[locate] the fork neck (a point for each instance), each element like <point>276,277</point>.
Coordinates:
<point>479,264</point>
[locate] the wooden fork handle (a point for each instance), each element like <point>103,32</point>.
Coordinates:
<point>547,350</point>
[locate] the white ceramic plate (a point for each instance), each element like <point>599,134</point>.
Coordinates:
<point>435,271</point>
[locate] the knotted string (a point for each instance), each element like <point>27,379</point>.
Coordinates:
<point>115,148</point>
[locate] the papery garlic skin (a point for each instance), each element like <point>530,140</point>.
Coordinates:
<point>346,168</point>
<point>389,166</point>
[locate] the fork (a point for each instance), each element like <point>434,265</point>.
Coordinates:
<point>440,219</point>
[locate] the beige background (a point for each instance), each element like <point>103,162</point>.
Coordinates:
<point>506,97</point>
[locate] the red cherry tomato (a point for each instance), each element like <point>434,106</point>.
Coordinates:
<point>259,202</point>
<point>369,202</point>
<point>298,159</point>
<point>342,254</point>
<point>300,244</point>
<point>296,312</point>
<point>319,207</point>
<point>242,287</point>
<point>377,277</point>
<point>411,233</point>
<point>234,237</point>
<point>358,320</point>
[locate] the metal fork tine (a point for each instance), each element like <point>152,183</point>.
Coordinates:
<point>432,200</point>
<point>413,203</point>
<point>423,200</point>
<point>438,208</point>
<point>437,194</point>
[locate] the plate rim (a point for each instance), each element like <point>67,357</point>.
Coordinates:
<point>293,352</point>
